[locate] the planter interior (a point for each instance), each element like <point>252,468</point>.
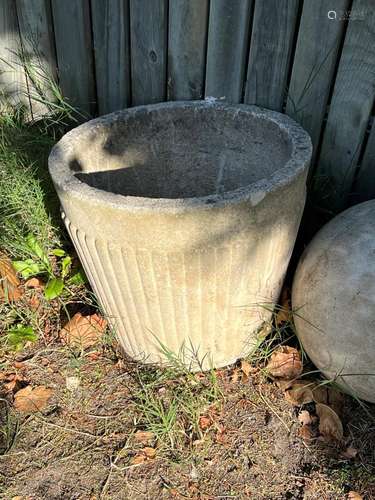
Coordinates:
<point>184,153</point>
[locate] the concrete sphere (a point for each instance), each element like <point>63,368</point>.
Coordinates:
<point>334,300</point>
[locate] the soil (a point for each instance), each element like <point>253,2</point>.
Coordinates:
<point>82,445</point>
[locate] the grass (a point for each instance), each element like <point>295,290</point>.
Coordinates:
<point>25,190</point>
<point>171,401</point>
<point>31,232</point>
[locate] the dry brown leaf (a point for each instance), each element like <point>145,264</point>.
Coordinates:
<point>246,369</point>
<point>305,432</point>
<point>220,434</point>
<point>9,282</point>
<point>300,393</point>
<point>204,423</point>
<point>329,396</point>
<point>330,426</point>
<point>144,455</point>
<point>83,331</point>
<point>34,283</point>
<point>138,459</point>
<point>235,376</point>
<point>284,384</point>
<point>285,363</point>
<point>284,313</point>
<point>15,383</point>
<point>34,302</point>
<point>304,418</point>
<point>349,453</point>
<point>144,436</point>
<point>19,365</point>
<point>353,495</point>
<point>336,400</point>
<point>149,452</point>
<point>29,400</point>
<point>12,381</point>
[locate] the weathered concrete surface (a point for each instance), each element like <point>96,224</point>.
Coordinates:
<point>334,300</point>
<point>184,215</point>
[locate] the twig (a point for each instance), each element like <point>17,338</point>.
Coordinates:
<point>274,412</point>
<point>74,431</point>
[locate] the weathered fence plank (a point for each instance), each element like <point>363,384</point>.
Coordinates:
<point>270,51</point>
<point>227,48</point>
<point>74,52</point>
<point>365,185</point>
<point>34,19</point>
<point>187,38</point>
<point>12,77</point>
<point>110,24</point>
<point>315,57</point>
<point>149,32</point>
<point>351,104</point>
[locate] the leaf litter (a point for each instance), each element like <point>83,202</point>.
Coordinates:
<point>83,331</point>
<point>31,400</point>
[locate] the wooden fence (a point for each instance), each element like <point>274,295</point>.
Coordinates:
<point>313,59</point>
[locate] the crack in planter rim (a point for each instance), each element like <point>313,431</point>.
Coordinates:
<point>65,179</point>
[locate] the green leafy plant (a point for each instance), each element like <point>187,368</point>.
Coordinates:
<point>39,263</point>
<point>17,337</point>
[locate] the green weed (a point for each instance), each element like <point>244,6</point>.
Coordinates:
<point>171,400</point>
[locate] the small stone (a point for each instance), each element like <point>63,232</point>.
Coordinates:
<point>72,383</point>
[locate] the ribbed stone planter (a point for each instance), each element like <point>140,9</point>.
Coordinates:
<point>184,215</point>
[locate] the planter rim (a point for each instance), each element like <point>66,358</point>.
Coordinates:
<point>66,181</point>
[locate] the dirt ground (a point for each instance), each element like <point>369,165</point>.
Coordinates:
<point>85,443</point>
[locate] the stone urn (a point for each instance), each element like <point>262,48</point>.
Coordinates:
<point>333,300</point>
<point>184,216</point>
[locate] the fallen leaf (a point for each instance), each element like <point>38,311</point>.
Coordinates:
<point>246,369</point>
<point>14,384</point>
<point>138,459</point>
<point>328,395</point>
<point>330,426</point>
<point>19,365</point>
<point>284,384</point>
<point>34,283</point>
<point>284,312</point>
<point>305,432</point>
<point>149,452</point>
<point>336,400</point>
<point>9,281</point>
<point>349,453</point>
<point>235,376</point>
<point>299,393</point>
<point>34,302</point>
<point>29,400</point>
<point>144,455</point>
<point>94,355</point>
<point>304,418</point>
<point>353,495</point>
<point>144,436</point>
<point>285,363</point>
<point>204,423</point>
<point>83,331</point>
<point>221,434</point>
